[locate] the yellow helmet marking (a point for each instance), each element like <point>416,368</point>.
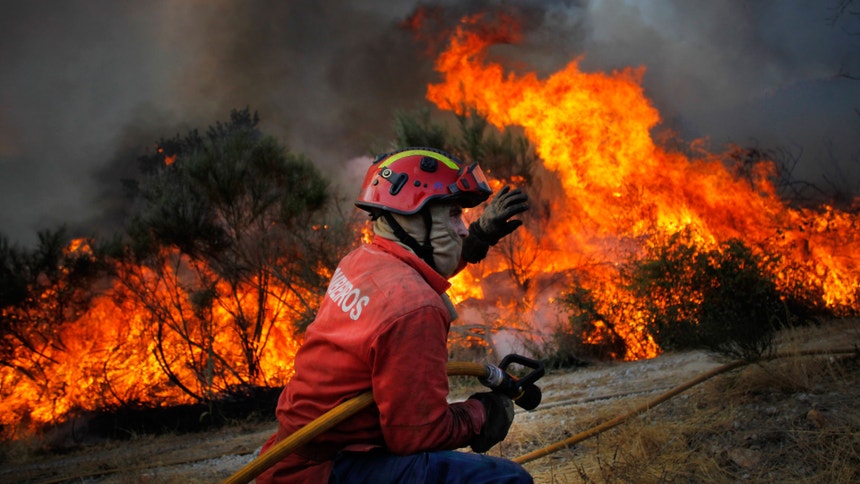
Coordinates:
<point>432,154</point>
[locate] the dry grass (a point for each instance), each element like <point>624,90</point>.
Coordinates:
<point>794,419</point>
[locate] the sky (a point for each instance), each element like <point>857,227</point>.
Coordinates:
<point>87,86</point>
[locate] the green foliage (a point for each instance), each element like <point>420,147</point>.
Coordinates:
<point>417,129</point>
<point>504,155</point>
<point>240,209</point>
<point>719,299</point>
<point>219,189</point>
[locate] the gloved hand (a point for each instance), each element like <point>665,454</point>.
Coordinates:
<point>500,415</point>
<point>495,222</point>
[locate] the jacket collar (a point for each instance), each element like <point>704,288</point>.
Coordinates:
<point>436,281</point>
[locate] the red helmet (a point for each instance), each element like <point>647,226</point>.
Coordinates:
<point>405,180</point>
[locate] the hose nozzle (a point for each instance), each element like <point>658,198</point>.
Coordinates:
<point>522,391</point>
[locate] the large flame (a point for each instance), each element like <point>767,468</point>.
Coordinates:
<point>624,193</point>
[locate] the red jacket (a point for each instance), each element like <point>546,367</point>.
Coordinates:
<point>382,326</point>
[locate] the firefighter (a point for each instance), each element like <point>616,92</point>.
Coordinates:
<point>383,326</point>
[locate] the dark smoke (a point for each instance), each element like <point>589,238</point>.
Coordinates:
<point>87,86</point>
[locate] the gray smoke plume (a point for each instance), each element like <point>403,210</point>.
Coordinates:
<point>87,86</point>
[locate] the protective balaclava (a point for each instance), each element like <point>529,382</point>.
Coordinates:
<point>447,244</point>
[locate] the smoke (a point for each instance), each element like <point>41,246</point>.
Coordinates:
<point>87,86</point>
<point>774,75</point>
<point>750,73</point>
<point>69,76</point>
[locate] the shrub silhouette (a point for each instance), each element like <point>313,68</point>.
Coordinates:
<point>717,299</point>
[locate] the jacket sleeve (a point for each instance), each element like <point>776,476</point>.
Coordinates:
<point>410,387</point>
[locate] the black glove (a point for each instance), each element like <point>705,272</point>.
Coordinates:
<point>495,222</point>
<point>474,249</point>
<point>500,415</point>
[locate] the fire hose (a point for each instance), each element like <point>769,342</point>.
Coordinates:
<point>521,390</point>
<point>527,396</point>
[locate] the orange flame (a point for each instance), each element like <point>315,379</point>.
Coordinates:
<point>623,193</point>
<point>111,355</point>
<point>168,159</point>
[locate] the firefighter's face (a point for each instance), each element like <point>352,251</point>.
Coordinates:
<point>447,236</point>
<point>455,220</point>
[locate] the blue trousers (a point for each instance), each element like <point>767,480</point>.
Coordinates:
<point>380,467</point>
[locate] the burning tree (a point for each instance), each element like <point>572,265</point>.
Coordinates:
<point>43,292</point>
<point>227,256</point>
<point>229,240</point>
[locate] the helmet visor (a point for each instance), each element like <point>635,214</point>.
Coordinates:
<point>472,186</point>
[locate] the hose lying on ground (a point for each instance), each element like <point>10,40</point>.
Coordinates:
<point>353,406</point>
<point>563,444</point>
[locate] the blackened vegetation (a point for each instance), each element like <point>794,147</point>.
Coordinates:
<point>242,404</point>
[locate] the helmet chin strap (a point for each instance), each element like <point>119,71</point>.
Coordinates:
<point>425,251</point>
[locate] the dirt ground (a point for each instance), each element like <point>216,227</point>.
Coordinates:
<point>573,401</point>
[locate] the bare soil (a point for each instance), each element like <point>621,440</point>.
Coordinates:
<point>760,423</point>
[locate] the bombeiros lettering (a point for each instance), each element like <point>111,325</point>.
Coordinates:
<point>346,296</point>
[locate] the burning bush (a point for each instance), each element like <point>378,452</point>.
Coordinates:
<point>227,242</point>
<point>688,297</point>
<point>720,299</point>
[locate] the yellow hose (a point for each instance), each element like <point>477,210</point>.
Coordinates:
<point>460,368</point>
<point>563,444</point>
<point>326,421</point>
<point>587,434</point>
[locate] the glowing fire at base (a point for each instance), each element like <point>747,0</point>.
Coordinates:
<point>144,341</point>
